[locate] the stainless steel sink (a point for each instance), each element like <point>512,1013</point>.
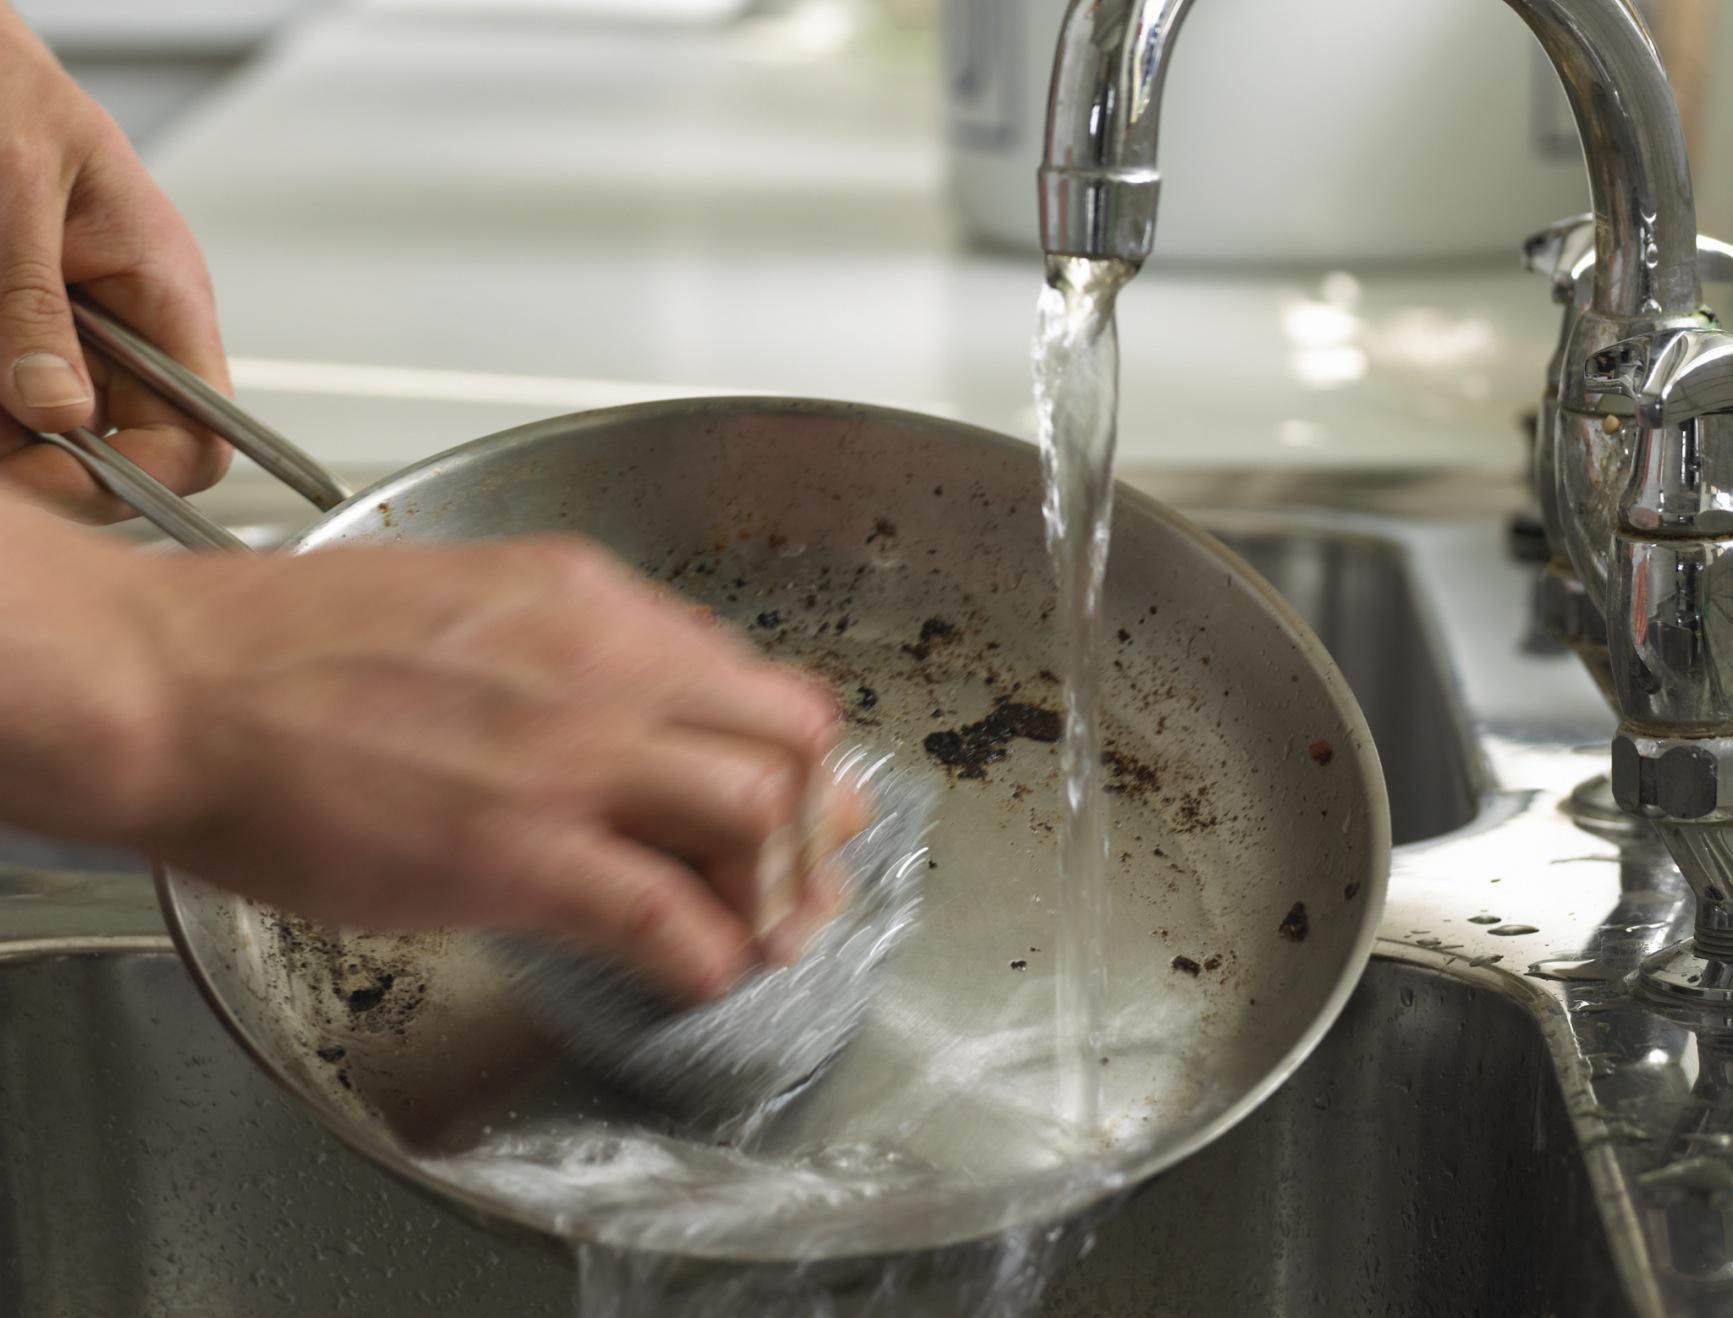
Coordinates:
<point>1492,1129</point>
<point>1357,594</point>
<point>1421,1163</point>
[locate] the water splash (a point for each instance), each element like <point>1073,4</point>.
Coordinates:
<point>1077,403</point>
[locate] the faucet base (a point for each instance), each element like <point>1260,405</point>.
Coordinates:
<point>1591,806</point>
<point>1677,976</point>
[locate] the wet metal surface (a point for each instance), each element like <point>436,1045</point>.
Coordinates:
<point>1495,1125</point>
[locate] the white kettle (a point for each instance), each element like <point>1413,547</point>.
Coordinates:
<point>1330,132</point>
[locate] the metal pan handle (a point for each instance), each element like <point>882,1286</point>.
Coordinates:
<point>149,497</point>
<point>175,384</point>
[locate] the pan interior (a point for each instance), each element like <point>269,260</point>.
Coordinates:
<point>902,557</point>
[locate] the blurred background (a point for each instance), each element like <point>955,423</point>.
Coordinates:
<point>431,219</point>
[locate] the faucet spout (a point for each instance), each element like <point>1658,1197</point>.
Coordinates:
<point>1100,181</point>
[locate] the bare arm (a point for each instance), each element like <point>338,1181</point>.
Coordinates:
<point>518,736</point>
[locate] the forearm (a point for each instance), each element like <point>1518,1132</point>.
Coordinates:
<point>79,715</point>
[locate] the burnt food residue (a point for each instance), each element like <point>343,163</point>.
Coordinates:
<point>971,748</point>
<point>1296,924</point>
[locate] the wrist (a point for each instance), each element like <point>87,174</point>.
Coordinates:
<point>87,709</point>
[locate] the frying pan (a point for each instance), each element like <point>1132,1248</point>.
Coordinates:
<point>901,556</point>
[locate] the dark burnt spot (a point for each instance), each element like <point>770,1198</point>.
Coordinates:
<point>1195,812</point>
<point>343,1079</point>
<point>1321,752</point>
<point>769,620</point>
<point>1131,776</point>
<point>1212,963</point>
<point>1296,924</point>
<point>1124,636</point>
<point>1048,676</point>
<point>1186,966</point>
<point>868,697</point>
<point>366,999</point>
<point>843,624</point>
<point>971,748</point>
<point>934,633</point>
<point>883,529</point>
<point>332,1053</point>
<point>1019,964</point>
<point>1351,891</point>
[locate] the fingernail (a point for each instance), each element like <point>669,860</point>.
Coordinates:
<point>44,380</point>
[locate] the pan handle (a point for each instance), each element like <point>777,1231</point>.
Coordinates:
<point>177,385</point>
<point>135,486</point>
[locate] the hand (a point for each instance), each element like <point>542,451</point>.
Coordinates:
<point>77,207</point>
<point>521,736</point>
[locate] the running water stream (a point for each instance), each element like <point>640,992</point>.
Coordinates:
<point>1077,400</point>
<point>675,1201</point>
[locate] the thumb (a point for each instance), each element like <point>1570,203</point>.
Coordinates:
<point>43,380</point>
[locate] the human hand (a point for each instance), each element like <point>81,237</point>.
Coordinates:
<point>77,207</point>
<point>522,736</point>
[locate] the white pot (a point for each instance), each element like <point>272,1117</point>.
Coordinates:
<point>1336,131</point>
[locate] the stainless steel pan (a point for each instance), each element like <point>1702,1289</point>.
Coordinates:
<point>902,556</point>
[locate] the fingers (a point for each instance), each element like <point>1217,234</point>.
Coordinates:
<point>60,481</point>
<point>705,797</point>
<point>649,911</point>
<point>130,250</point>
<point>740,814</point>
<point>762,701</point>
<point>43,381</point>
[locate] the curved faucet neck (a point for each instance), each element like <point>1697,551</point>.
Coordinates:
<point>1100,181</point>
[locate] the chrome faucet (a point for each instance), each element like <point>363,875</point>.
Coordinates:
<point>1635,451</point>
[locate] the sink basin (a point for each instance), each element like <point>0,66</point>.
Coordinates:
<point>1356,593</point>
<point>1421,1163</point>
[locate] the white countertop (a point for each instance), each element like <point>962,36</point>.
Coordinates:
<point>426,226</point>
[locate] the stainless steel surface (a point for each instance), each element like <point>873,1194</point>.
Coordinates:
<point>1101,179</point>
<point>155,1173</point>
<point>1493,1127</point>
<point>203,404</point>
<point>1636,483</point>
<point>141,491</point>
<point>1249,804</point>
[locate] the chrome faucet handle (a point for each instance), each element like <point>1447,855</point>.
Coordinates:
<point>1563,252</point>
<point>1673,376</point>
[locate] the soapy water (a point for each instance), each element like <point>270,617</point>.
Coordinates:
<point>679,1216</point>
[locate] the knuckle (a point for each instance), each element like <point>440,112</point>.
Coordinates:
<point>32,296</point>
<point>646,915</point>
<point>28,166</point>
<point>484,840</point>
<point>765,798</point>
<point>560,564</point>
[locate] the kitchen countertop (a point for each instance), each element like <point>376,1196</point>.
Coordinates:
<point>429,224</point>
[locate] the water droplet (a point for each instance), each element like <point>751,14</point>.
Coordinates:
<point>1483,919</point>
<point>1512,930</point>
